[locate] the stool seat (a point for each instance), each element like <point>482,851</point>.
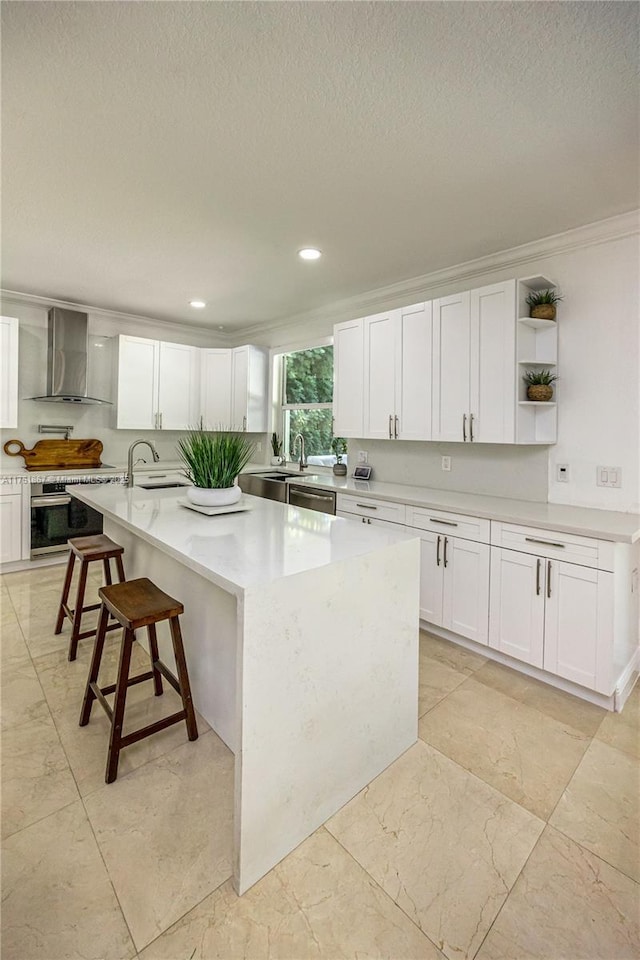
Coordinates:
<point>98,547</point>
<point>137,603</point>
<point>86,550</point>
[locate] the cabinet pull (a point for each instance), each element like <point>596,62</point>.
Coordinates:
<point>438,551</point>
<point>471,427</point>
<point>464,427</point>
<point>446,523</point>
<point>538,563</point>
<point>545,543</point>
<point>548,578</point>
<point>47,501</point>
<point>160,420</point>
<point>395,420</point>
<point>244,424</point>
<point>446,540</point>
<point>366,506</point>
<point>390,427</point>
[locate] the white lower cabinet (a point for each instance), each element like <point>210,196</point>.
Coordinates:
<point>10,527</point>
<point>554,615</point>
<point>454,584</point>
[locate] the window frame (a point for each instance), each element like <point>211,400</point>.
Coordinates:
<point>280,409</point>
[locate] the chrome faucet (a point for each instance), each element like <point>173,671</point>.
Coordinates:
<point>303,459</point>
<point>130,458</point>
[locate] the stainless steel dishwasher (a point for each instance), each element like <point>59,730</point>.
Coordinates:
<point>324,501</point>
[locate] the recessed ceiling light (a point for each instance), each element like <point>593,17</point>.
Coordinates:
<point>309,253</point>
<point>198,304</point>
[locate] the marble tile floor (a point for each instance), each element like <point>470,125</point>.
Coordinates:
<point>509,831</point>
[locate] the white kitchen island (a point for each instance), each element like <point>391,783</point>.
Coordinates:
<point>301,637</point>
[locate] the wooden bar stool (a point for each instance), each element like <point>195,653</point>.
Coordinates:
<point>87,550</point>
<point>135,604</point>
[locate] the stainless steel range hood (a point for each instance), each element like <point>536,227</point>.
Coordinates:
<point>67,358</point>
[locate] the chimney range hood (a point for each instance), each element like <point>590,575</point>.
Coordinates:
<point>67,356</point>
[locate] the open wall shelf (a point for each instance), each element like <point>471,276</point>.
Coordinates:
<point>536,348</point>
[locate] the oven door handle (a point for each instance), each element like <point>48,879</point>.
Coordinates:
<point>60,501</point>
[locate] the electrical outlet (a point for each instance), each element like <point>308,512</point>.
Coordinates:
<point>363,456</point>
<point>562,472</point>
<point>446,463</point>
<point>608,477</point>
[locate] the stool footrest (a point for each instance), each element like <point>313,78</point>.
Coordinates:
<point>102,700</point>
<point>166,673</point>
<point>140,678</point>
<point>152,728</point>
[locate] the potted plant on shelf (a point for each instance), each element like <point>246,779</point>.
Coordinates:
<point>542,304</point>
<point>213,462</point>
<point>339,448</point>
<point>276,445</point>
<point>539,385</point>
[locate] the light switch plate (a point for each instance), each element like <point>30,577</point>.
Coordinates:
<point>609,477</point>
<point>446,463</point>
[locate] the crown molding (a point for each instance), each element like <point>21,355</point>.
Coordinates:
<point>420,288</point>
<point>173,326</point>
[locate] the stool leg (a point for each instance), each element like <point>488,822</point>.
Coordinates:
<point>65,591</point>
<point>153,647</point>
<point>107,572</point>
<point>77,613</point>
<point>183,678</point>
<point>94,669</point>
<point>120,568</point>
<point>118,707</point>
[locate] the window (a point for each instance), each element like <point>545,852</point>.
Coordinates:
<point>307,400</point>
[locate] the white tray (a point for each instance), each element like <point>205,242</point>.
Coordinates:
<point>238,507</point>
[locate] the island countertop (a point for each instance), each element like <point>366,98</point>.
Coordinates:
<point>236,551</point>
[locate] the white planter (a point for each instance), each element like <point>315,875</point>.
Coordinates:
<point>221,497</point>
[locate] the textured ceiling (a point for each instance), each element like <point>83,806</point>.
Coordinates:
<point>158,152</point>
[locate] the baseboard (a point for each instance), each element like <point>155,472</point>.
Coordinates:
<point>627,681</point>
<point>17,566</point>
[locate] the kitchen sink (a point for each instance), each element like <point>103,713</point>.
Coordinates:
<point>270,486</point>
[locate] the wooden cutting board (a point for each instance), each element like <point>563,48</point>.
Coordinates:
<point>57,454</point>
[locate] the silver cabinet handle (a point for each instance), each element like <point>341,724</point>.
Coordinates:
<point>464,427</point>
<point>395,420</point>
<point>538,564</point>
<point>545,543</point>
<point>390,427</point>
<point>50,501</point>
<point>446,540</point>
<point>548,578</point>
<point>160,415</point>
<point>446,523</point>
<point>366,506</point>
<point>438,551</point>
<point>471,427</point>
<point>244,424</point>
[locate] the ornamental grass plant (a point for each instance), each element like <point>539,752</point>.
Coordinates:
<point>214,460</point>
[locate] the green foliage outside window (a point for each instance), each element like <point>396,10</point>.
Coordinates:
<point>308,376</point>
<point>315,427</point>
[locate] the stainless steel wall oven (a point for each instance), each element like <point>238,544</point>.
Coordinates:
<point>56,516</point>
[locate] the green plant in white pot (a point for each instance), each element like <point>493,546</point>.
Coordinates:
<point>339,447</point>
<point>213,462</point>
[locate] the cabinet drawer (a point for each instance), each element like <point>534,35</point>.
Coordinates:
<point>550,543</point>
<point>449,524</point>
<point>366,507</point>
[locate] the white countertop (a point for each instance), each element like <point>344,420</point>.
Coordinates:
<point>239,550</point>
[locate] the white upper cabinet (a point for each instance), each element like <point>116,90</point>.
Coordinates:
<point>249,376</point>
<point>158,385</point>
<point>215,388</point>
<point>9,372</point>
<point>397,374</point>
<point>491,366</point>
<point>451,367</point>
<point>348,379</point>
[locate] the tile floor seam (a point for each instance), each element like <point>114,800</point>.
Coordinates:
<point>566,787</point>
<point>34,823</point>
<point>379,887</point>
<point>593,854</point>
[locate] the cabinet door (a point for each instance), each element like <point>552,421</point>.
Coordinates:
<point>579,625</point>
<point>10,527</point>
<point>138,364</point>
<point>492,363</point>
<point>381,360</point>
<point>8,372</point>
<point>431,576</point>
<point>451,346</point>
<point>215,389</point>
<point>348,379</point>
<point>516,605</point>
<point>249,389</point>
<point>466,589</point>
<point>179,387</point>
<point>413,406</point>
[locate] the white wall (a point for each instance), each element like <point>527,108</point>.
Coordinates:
<point>88,421</point>
<point>597,270</point>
